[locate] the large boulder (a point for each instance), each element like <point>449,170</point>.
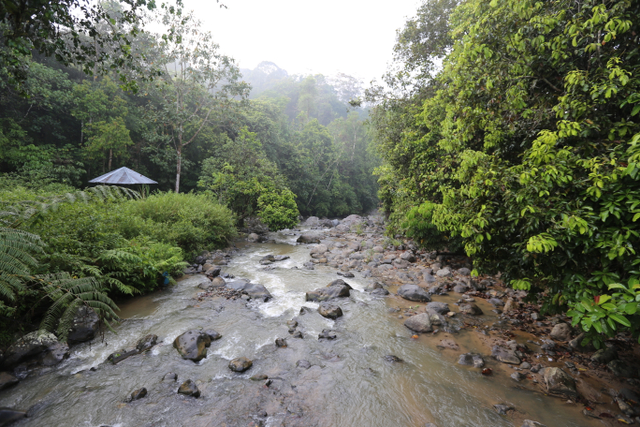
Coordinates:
<point>192,345</point>
<point>413,293</point>
<point>254,290</point>
<point>54,354</point>
<point>559,382</point>
<point>32,344</point>
<point>330,311</point>
<point>84,327</point>
<point>308,238</point>
<point>336,289</point>
<point>419,323</point>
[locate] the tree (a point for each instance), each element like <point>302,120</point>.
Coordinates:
<point>198,83</point>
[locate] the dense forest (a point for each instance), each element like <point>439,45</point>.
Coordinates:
<point>509,132</point>
<point>92,95</point>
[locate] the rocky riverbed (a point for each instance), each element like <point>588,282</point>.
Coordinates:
<point>331,324</point>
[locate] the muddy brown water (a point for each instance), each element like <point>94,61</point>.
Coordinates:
<point>349,382</point>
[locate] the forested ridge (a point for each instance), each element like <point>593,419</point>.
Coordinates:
<point>510,133</point>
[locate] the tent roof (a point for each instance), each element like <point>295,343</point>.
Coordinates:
<point>122,176</point>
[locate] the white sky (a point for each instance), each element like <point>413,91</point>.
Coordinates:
<point>355,37</point>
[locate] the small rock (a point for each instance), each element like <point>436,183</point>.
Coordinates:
<point>419,323</point>
<point>304,364</point>
<point>413,293</point>
<point>8,415</point>
<point>604,355</point>
<point>170,377</point>
<point>189,388</point>
<point>240,364</point>
<point>502,408</point>
<point>448,344</point>
<point>518,376</point>
<point>139,393</point>
<point>622,369</point>
<point>392,359</point>
<point>7,380</point>
<point>327,334</point>
<point>561,332</point>
<point>330,311</point>
<point>525,365</point>
<point>530,423</point>
<point>346,274</point>
<point>505,355</point>
<point>438,307</point>
<point>259,377</point>
<point>470,359</point>
<point>281,342</point>
<point>559,382</point>
<point>471,309</point>
<point>146,343</point>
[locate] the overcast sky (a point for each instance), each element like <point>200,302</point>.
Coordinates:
<point>355,37</point>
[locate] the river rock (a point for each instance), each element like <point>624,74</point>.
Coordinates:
<point>281,343</point>
<point>460,288</point>
<point>205,284</point>
<point>146,343</point>
<point>240,364</point>
<point>559,382</point>
<point>84,327</point>
<point>419,323</point>
<point>518,376</point>
<point>577,345</point>
<point>308,266</point>
<point>189,388</point>
<point>448,344</point>
<point>308,238</point>
<point>139,393</point>
<point>413,293</point>
<point>254,290</point>
<point>438,307</point>
<point>55,354</point>
<point>212,334</point>
<point>509,305</point>
<point>464,271</point>
<point>318,249</point>
<point>8,416</point>
<point>346,274</point>
<point>530,423</point>
<point>471,309</point>
<point>170,377</point>
<point>444,272</point>
<point>470,359</point>
<point>505,355</point>
<point>192,345</point>
<point>428,278</point>
<point>622,369</point>
<point>330,311</point>
<point>408,256</point>
<point>605,355</point>
<point>380,292</point>
<point>304,364</point>
<point>253,238</point>
<point>327,334</point>
<point>7,380</point>
<point>212,271</point>
<point>561,332</point>
<point>217,282</point>
<point>503,408</point>
<point>336,289</point>
<point>27,346</point>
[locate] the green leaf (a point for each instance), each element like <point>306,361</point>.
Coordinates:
<point>621,319</point>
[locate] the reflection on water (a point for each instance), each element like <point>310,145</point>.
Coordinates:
<point>349,382</point>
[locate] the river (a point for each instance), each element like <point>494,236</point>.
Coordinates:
<point>346,382</point>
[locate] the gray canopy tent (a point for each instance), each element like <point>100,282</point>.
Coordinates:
<point>122,176</point>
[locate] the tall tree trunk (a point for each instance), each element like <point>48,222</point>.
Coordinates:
<point>110,157</point>
<point>178,166</point>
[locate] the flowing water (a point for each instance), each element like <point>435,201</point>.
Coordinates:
<point>349,382</point>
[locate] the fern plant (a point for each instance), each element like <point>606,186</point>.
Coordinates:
<point>16,262</point>
<point>67,295</point>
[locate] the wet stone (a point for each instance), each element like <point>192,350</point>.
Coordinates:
<point>413,293</point>
<point>8,416</point>
<point>622,369</point>
<point>146,343</point>
<point>240,364</point>
<point>604,355</point>
<point>559,382</point>
<point>438,307</point>
<point>281,342</point>
<point>561,332</point>
<point>189,388</point>
<point>470,359</point>
<point>170,377</point>
<point>259,377</point>
<point>327,334</point>
<point>139,394</point>
<point>419,323</point>
<point>518,376</point>
<point>304,364</point>
<point>7,380</point>
<point>330,311</point>
<point>192,345</point>
<point>503,408</point>
<point>505,355</point>
<point>346,274</point>
<point>392,359</point>
<point>471,309</point>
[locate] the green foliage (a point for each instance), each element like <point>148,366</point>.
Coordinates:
<point>16,262</point>
<point>527,150</point>
<point>278,209</point>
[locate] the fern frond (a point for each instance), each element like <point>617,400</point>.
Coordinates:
<point>67,295</point>
<point>16,261</point>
